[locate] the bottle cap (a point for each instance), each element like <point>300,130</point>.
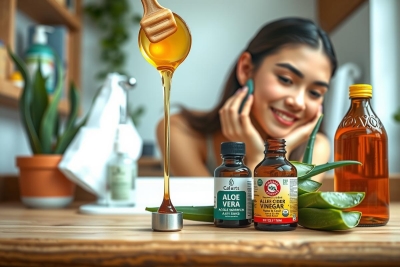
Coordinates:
<point>166,222</point>
<point>360,90</point>
<point>233,148</point>
<point>40,36</point>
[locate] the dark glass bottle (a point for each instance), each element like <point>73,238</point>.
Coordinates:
<point>275,190</point>
<point>233,188</point>
<point>361,136</point>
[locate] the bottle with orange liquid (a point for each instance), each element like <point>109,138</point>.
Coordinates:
<point>361,136</point>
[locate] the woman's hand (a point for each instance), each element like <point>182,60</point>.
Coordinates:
<point>301,134</point>
<point>239,128</point>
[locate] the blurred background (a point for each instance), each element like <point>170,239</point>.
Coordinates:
<point>366,36</point>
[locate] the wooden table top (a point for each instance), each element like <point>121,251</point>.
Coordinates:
<point>30,237</point>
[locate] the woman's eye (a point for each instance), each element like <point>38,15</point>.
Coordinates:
<point>315,94</point>
<point>284,80</point>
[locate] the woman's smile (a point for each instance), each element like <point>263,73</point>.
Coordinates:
<point>283,117</point>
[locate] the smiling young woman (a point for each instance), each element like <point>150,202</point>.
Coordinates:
<point>291,62</point>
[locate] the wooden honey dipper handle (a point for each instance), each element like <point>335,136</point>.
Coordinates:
<point>151,6</point>
<point>158,22</point>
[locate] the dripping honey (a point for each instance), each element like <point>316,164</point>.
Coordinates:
<point>166,56</point>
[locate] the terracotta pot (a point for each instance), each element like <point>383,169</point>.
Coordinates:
<point>42,184</point>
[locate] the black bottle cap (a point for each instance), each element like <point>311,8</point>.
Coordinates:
<point>233,148</point>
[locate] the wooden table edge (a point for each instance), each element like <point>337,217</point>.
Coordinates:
<point>47,252</point>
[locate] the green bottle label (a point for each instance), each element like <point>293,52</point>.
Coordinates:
<point>233,198</point>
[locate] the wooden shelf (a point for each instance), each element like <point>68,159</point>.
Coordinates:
<point>332,13</point>
<point>49,12</point>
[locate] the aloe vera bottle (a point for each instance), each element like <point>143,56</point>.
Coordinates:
<point>232,188</point>
<point>275,190</point>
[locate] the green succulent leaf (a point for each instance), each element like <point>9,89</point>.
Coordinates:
<point>328,219</point>
<point>24,104</point>
<point>307,157</point>
<point>193,213</point>
<point>73,106</point>
<point>70,133</point>
<point>331,200</point>
<point>302,168</point>
<point>328,166</point>
<point>40,99</point>
<point>67,137</point>
<point>308,186</point>
<point>48,124</point>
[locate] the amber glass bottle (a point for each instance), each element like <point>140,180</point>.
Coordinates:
<point>362,137</point>
<point>233,186</point>
<point>275,190</point>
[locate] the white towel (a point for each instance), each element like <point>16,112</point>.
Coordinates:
<point>85,160</point>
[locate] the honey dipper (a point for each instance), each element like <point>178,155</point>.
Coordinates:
<point>158,22</point>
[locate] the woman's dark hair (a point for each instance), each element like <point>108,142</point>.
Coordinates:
<point>272,37</point>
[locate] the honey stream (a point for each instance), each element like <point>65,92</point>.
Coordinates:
<point>166,56</point>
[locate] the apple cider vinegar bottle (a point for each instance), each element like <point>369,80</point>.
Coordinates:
<point>275,190</point>
<point>361,136</point>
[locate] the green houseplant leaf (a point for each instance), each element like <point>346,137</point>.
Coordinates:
<point>331,200</point>
<point>40,116</point>
<point>328,166</point>
<point>24,105</point>
<point>302,168</point>
<point>49,120</point>
<point>73,106</point>
<point>307,157</point>
<point>40,99</point>
<point>193,213</point>
<point>308,186</point>
<point>328,219</point>
<point>72,130</point>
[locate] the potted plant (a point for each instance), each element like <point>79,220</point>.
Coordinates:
<point>42,184</point>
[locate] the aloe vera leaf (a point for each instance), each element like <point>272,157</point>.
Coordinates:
<point>302,168</point>
<point>66,138</point>
<point>308,186</point>
<point>307,157</point>
<point>24,105</point>
<point>328,219</point>
<point>73,106</point>
<point>328,166</point>
<point>56,132</point>
<point>50,116</point>
<point>40,99</point>
<point>331,200</point>
<point>193,213</point>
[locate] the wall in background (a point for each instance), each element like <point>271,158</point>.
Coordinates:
<point>385,70</point>
<point>351,42</point>
<point>220,31</point>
